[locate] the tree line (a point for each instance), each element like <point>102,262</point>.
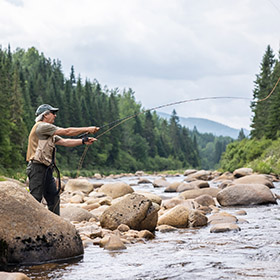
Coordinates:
<point>145,142</point>
<point>261,151</point>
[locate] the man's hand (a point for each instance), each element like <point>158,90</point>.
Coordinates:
<point>93,129</point>
<point>90,140</point>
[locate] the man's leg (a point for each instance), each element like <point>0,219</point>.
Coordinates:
<point>36,175</point>
<point>50,194</point>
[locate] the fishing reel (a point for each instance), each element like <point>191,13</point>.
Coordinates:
<point>84,137</point>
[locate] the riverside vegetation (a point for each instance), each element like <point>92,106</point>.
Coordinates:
<point>146,142</point>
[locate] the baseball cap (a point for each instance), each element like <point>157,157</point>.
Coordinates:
<point>45,107</point>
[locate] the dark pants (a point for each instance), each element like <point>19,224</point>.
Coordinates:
<point>42,184</point>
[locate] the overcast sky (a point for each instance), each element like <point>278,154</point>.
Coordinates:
<point>165,50</point>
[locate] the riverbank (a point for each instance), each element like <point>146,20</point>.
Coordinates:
<point>180,242</point>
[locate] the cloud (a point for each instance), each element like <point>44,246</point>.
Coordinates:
<point>164,50</point>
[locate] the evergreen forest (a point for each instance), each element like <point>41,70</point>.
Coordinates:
<point>145,142</point>
<point>262,151</point>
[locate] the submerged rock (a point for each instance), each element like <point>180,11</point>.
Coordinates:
<point>29,233</point>
<point>223,227</point>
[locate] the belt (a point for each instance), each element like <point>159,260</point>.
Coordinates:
<point>35,161</point>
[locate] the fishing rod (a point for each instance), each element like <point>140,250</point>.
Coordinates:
<point>118,122</point>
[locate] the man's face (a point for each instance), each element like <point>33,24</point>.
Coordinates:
<point>50,117</point>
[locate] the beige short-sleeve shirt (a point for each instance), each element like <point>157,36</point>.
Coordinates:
<point>42,131</point>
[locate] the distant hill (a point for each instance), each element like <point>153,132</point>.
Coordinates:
<point>207,126</point>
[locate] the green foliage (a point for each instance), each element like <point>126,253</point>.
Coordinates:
<point>147,142</point>
<point>242,153</point>
<point>266,117</point>
<point>210,148</point>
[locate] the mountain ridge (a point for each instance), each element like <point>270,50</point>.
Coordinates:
<point>207,126</point>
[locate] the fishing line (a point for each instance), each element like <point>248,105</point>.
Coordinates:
<point>270,92</point>
<point>118,122</point>
<point>122,120</point>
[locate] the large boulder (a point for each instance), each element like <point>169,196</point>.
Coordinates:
<point>29,233</point>
<point>134,210</point>
<point>254,179</point>
<point>245,194</point>
<point>117,189</point>
<point>79,185</point>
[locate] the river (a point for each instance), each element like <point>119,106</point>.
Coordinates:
<point>252,253</point>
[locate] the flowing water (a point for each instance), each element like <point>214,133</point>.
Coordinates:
<point>252,253</point>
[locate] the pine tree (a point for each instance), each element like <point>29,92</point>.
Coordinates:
<point>241,135</point>
<point>274,113</point>
<point>263,86</point>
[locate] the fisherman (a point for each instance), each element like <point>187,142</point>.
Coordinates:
<point>41,153</point>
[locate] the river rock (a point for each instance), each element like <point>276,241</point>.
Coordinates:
<point>114,243</point>
<point>77,198</point>
<point>146,234</point>
<point>166,228</point>
<point>197,184</point>
<point>222,217</point>
<point>197,219</point>
<point>225,176</point>
<point>13,276</point>
<point>144,181</point>
<point>29,233</point>
<point>172,187</point>
<point>224,184</point>
<point>73,213</point>
<point>255,179</point>
<point>161,183</point>
<point>170,203</point>
<point>240,172</point>
<point>134,210</point>
<point>99,211</point>
<point>184,186</point>
<point>245,194</point>
<point>115,190</point>
<point>79,185</point>
<point>224,228</point>
<point>151,196</point>
<point>177,217</point>
<point>189,172</point>
<point>205,200</point>
<point>204,175</point>
<point>195,193</point>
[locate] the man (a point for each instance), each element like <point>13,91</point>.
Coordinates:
<point>41,153</point>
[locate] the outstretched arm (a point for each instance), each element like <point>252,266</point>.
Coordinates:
<point>74,142</point>
<point>74,131</point>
